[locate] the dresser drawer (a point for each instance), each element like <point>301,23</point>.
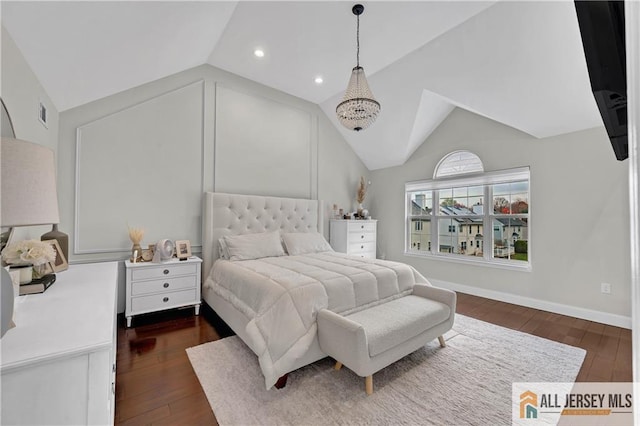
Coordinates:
<point>361,248</point>
<point>362,226</point>
<point>167,284</point>
<point>366,254</point>
<point>361,237</point>
<point>162,271</point>
<point>163,301</point>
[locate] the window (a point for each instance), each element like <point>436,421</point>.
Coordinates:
<point>494,201</point>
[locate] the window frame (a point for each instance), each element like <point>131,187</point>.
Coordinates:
<point>485,179</point>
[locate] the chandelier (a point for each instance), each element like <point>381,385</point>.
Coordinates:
<point>358,109</point>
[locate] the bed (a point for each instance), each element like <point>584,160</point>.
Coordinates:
<point>271,301</point>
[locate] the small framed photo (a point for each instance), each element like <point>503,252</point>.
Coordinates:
<point>60,264</point>
<point>183,249</point>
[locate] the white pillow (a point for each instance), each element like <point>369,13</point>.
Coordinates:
<point>305,242</point>
<point>223,250</point>
<point>254,246</point>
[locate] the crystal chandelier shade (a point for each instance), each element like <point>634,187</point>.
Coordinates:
<point>358,109</point>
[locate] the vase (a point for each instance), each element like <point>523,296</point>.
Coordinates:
<point>360,209</point>
<point>136,252</point>
<point>39,271</point>
<point>26,272</point>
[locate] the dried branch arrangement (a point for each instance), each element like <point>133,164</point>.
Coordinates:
<point>362,191</point>
<point>136,235</point>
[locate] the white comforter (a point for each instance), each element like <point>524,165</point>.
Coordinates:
<point>282,295</point>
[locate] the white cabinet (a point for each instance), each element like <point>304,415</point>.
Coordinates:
<point>58,363</point>
<point>354,237</point>
<point>155,287</point>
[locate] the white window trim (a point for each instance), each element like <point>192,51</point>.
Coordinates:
<point>476,179</point>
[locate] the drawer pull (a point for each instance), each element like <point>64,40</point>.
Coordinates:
<point>361,236</point>
<point>166,299</point>
<point>166,272</point>
<point>165,285</point>
<point>361,226</point>
<point>361,247</point>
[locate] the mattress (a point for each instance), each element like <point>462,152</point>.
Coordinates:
<point>282,295</point>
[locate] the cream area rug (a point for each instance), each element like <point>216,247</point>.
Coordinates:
<point>466,383</point>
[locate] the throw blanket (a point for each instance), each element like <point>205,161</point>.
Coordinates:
<point>282,296</point>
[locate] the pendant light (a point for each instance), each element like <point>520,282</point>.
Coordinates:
<point>358,109</point>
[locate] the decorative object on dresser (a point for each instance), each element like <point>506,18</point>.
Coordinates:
<point>59,368</point>
<point>38,285</point>
<point>360,194</point>
<point>60,263</point>
<point>36,255</point>
<point>183,249</point>
<point>154,287</point>
<point>60,237</point>
<point>354,237</point>
<point>164,251</point>
<point>136,235</point>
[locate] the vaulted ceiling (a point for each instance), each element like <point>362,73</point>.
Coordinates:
<point>519,63</point>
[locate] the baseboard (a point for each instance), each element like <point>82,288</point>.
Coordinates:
<point>557,308</point>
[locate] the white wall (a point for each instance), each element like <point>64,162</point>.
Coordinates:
<point>22,92</point>
<point>143,158</point>
<point>579,216</point>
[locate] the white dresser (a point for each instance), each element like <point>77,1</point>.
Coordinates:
<point>155,287</point>
<point>58,363</point>
<point>354,237</point>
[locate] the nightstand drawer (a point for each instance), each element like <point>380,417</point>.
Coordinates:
<point>163,300</point>
<point>168,284</point>
<point>161,271</point>
<point>362,248</point>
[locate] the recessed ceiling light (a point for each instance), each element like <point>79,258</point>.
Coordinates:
<point>318,80</point>
<point>259,53</point>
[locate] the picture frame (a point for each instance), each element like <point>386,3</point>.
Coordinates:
<point>183,249</point>
<point>60,264</point>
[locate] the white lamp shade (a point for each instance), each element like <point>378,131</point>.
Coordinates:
<point>29,195</point>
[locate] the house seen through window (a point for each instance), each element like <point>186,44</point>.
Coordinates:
<point>468,214</point>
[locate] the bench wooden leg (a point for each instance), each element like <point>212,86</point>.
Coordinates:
<point>368,385</point>
<point>338,365</point>
<point>441,340</point>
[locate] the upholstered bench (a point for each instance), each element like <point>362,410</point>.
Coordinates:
<point>371,339</point>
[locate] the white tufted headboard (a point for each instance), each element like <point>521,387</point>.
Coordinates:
<point>234,214</point>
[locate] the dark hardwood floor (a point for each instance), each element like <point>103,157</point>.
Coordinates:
<point>155,384</point>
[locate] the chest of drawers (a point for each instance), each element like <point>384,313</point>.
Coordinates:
<point>154,287</point>
<point>354,237</point>
<point>58,364</point>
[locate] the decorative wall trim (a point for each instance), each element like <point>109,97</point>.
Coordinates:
<point>312,140</point>
<point>77,237</point>
<point>557,308</point>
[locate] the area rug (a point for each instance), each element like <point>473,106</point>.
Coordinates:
<point>467,382</point>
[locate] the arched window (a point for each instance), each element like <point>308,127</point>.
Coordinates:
<point>457,163</point>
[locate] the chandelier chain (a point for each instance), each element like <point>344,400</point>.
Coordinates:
<point>358,41</point>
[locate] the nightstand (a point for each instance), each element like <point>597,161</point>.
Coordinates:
<point>153,287</point>
<point>354,237</point>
